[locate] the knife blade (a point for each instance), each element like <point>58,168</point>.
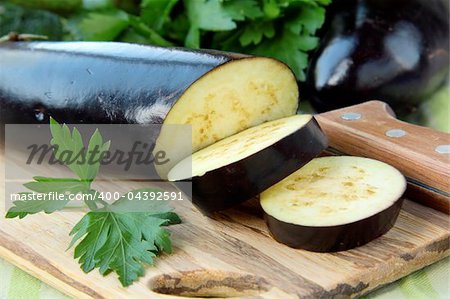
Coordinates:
<point>422,154</point>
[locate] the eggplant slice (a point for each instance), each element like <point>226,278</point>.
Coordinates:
<point>241,166</point>
<point>229,99</point>
<point>334,203</point>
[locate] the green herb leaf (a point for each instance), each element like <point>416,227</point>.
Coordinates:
<point>14,18</point>
<point>253,33</point>
<point>61,6</point>
<point>47,188</point>
<point>312,18</point>
<point>271,9</point>
<point>123,242</point>
<point>240,10</point>
<point>172,218</point>
<point>70,150</point>
<point>141,200</point>
<point>121,237</point>
<point>52,194</point>
<point>193,38</point>
<point>206,15</point>
<point>324,2</point>
<point>45,185</point>
<point>282,29</point>
<point>98,4</point>
<point>289,48</point>
<point>209,15</point>
<point>156,13</point>
<point>150,35</point>
<point>98,26</point>
<point>29,206</point>
<point>177,29</point>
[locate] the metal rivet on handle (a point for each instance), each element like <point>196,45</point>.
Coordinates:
<point>395,133</point>
<point>351,116</point>
<point>443,149</point>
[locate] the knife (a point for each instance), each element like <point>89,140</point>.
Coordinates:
<point>422,154</point>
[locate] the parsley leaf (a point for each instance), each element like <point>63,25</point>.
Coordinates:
<point>240,10</point>
<point>84,162</point>
<point>121,237</point>
<point>14,18</point>
<point>207,15</point>
<point>271,9</point>
<point>312,18</point>
<point>98,26</point>
<point>253,34</point>
<point>61,6</point>
<point>144,34</point>
<point>122,241</point>
<point>156,13</point>
<point>282,29</point>
<point>70,150</point>
<point>289,48</point>
<point>47,187</point>
<point>23,208</point>
<point>292,41</point>
<point>43,184</point>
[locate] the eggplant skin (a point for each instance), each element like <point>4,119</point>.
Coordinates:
<point>334,238</point>
<point>235,183</point>
<point>96,82</point>
<point>393,51</point>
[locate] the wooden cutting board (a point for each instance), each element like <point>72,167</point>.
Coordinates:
<point>233,254</point>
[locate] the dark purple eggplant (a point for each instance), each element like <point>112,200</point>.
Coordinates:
<point>88,82</point>
<point>394,51</point>
<point>334,203</point>
<point>241,166</point>
<point>218,93</point>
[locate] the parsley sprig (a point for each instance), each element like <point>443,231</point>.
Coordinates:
<point>110,237</point>
<point>282,29</point>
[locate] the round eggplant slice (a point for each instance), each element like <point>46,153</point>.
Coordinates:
<point>334,203</point>
<point>241,166</point>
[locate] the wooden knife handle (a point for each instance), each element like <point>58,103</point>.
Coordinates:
<point>421,154</point>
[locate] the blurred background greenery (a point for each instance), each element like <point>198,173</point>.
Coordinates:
<point>283,29</point>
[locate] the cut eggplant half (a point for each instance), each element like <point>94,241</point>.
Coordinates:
<point>219,94</point>
<point>334,203</point>
<point>229,99</point>
<point>241,166</point>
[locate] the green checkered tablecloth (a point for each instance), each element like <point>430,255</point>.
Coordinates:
<point>432,282</point>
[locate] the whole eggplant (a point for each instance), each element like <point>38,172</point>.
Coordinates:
<point>394,51</point>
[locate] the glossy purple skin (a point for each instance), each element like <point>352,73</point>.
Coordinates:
<point>394,51</point>
<point>334,238</point>
<point>235,183</point>
<point>96,82</point>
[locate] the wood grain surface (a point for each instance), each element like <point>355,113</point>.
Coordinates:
<point>232,254</point>
<point>414,154</point>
